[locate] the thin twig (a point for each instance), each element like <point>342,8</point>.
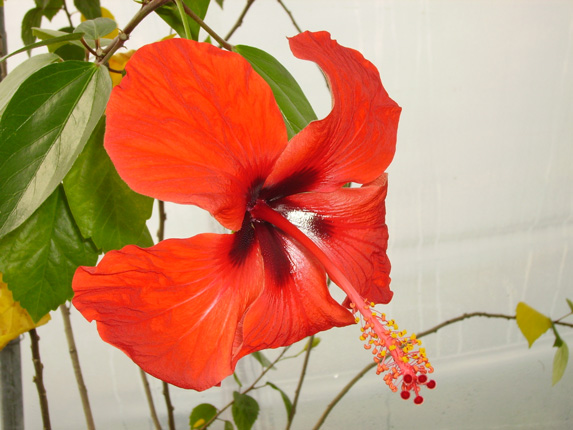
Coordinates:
<point>290,16</point>
<point>434,329</point>
<point>77,369</point>
<point>208,29</point>
<point>39,379</point>
<point>169,405</point>
<point>160,237</point>
<point>65,7</point>
<point>251,387</point>
<point>240,19</point>
<point>300,381</point>
<point>149,397</point>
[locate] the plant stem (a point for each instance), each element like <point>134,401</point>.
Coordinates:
<point>39,379</point>
<point>149,397</point>
<point>90,425</point>
<point>169,405</point>
<point>434,329</point>
<point>183,19</point>
<point>290,16</point>
<point>251,387</point>
<point>300,381</point>
<point>208,29</point>
<point>240,19</point>
<point>65,7</point>
<point>121,38</point>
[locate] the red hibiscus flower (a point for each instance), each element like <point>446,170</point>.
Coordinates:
<point>193,124</point>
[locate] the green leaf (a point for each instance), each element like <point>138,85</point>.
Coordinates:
<point>237,380</point>
<point>531,323</point>
<point>104,207</point>
<point>560,362</point>
<point>570,303</point>
<point>261,358</point>
<point>42,131</point>
<point>33,18</point>
<point>69,52</point>
<point>286,399</point>
<point>89,8</point>
<point>39,258</point>
<point>220,3</point>
<point>53,43</point>
<point>245,411</point>
<point>96,28</point>
<point>201,414</point>
<point>15,78</point>
<point>229,425</point>
<point>171,16</point>
<point>47,34</point>
<point>295,107</point>
<point>52,7</point>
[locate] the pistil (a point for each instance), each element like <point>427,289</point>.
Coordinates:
<point>400,357</point>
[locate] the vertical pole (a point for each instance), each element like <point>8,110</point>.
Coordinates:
<point>11,387</point>
<point>10,362</point>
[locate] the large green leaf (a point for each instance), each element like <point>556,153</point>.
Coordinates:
<point>531,323</point>
<point>104,207</point>
<point>40,257</point>
<point>15,78</point>
<point>170,14</point>
<point>89,8</point>
<point>96,28</point>
<point>294,105</point>
<point>42,131</point>
<point>245,411</point>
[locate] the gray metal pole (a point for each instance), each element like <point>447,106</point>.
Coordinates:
<point>11,397</point>
<point>11,387</point>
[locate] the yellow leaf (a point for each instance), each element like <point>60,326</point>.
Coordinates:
<point>14,320</point>
<point>106,14</point>
<point>531,323</point>
<point>118,62</point>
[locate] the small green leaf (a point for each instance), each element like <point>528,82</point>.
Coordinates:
<point>89,8</point>
<point>220,3</point>
<point>570,303</point>
<point>531,323</point>
<point>42,131</point>
<point>40,257</point>
<point>201,415</point>
<point>47,34</point>
<point>297,111</point>
<point>171,16</point>
<point>15,78</point>
<point>237,380</point>
<point>261,358</point>
<point>245,411</point>
<point>69,52</point>
<point>286,399</point>
<point>52,7</point>
<point>53,43</point>
<point>33,18</point>
<point>229,425</point>
<point>96,28</point>
<point>105,208</point>
<point>560,362</point>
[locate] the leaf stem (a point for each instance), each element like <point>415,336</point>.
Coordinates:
<point>90,425</point>
<point>250,388</point>
<point>240,19</point>
<point>149,397</point>
<point>208,29</point>
<point>169,405</point>
<point>65,7</point>
<point>434,329</point>
<point>300,381</point>
<point>39,379</point>
<point>184,19</point>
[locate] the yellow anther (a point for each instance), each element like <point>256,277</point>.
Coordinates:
<point>405,359</point>
<point>392,347</point>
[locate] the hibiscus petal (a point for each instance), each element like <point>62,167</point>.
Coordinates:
<point>295,302</point>
<point>176,309</point>
<point>356,141</point>
<point>349,226</point>
<point>193,124</point>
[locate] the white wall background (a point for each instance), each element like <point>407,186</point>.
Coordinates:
<point>480,212</point>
